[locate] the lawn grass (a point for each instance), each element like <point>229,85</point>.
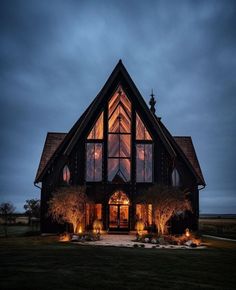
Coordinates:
<point>43,263</point>
<point>221,227</point>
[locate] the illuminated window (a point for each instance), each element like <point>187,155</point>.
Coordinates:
<point>66,174</point>
<point>98,211</point>
<point>119,197</point>
<point>149,214</point>
<point>119,137</point>
<point>144,162</point>
<point>175,178</point>
<point>89,214</point>
<point>144,213</point>
<point>97,130</point>
<point>141,131</point>
<point>140,214</point>
<point>94,162</point>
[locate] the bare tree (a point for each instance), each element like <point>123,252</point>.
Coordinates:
<point>6,211</point>
<point>68,204</point>
<point>166,202</point>
<point>32,207</point>
<point>32,210</point>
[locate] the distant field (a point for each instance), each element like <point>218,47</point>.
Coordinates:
<point>222,227</point>
<point>16,230</point>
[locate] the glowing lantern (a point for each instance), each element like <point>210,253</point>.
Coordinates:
<point>97,226</point>
<point>187,233</point>
<point>140,227</point>
<point>80,230</point>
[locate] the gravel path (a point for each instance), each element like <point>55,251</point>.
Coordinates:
<point>128,242</point>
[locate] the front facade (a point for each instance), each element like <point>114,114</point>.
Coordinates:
<point>118,149</point>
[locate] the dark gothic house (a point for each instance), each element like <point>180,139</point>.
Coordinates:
<point>118,148</point>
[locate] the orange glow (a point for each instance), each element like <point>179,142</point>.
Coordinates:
<point>187,233</point>
<point>97,226</point>
<point>119,97</point>
<point>64,238</point>
<point>97,130</point>
<point>141,131</point>
<point>119,197</point>
<point>66,174</point>
<point>149,214</point>
<point>140,227</point>
<point>80,230</point>
<point>98,211</point>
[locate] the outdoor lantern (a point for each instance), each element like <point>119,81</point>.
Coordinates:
<point>187,233</point>
<point>80,229</point>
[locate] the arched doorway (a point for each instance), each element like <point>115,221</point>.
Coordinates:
<point>119,211</point>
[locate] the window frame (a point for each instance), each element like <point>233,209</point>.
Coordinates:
<point>94,141</point>
<point>119,133</point>
<point>144,142</point>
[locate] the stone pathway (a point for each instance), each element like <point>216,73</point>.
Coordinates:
<point>127,241</point>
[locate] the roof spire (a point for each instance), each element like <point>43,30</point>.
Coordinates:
<point>152,102</point>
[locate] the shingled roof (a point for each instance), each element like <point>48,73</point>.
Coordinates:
<point>53,140</point>
<point>186,144</point>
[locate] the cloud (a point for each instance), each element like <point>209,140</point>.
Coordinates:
<point>55,56</point>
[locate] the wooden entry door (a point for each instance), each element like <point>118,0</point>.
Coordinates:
<point>118,217</point>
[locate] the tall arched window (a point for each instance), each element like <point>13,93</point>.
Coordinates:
<point>119,137</point>
<point>66,174</point>
<point>175,178</point>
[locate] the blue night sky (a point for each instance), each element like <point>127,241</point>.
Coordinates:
<point>56,55</point>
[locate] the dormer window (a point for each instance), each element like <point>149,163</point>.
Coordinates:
<point>175,178</point>
<point>66,174</point>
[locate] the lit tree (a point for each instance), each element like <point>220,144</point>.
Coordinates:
<point>166,202</point>
<point>68,204</point>
<point>6,210</point>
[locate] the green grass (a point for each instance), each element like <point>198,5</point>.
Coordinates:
<point>221,227</point>
<point>43,263</point>
<point>15,230</point>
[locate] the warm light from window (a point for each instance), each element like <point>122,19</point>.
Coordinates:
<point>66,174</point>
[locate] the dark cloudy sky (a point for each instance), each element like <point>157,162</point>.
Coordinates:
<point>56,55</point>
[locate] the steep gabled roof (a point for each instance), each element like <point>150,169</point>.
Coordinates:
<point>184,147</point>
<point>62,143</point>
<point>43,169</point>
<point>74,134</point>
<point>118,72</point>
<point>186,144</point>
<point>52,142</point>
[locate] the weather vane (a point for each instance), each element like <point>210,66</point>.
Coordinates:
<point>152,102</point>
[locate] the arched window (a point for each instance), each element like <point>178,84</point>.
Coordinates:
<point>119,197</point>
<point>66,174</point>
<point>119,137</point>
<point>175,178</point>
